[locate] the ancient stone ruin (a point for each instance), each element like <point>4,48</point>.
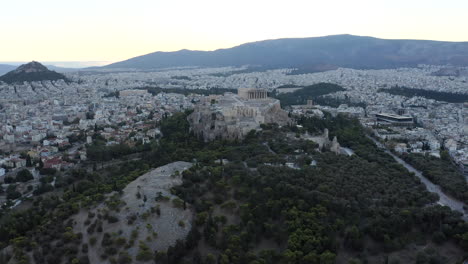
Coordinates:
<point>232,116</point>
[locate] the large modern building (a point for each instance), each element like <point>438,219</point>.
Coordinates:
<point>394,120</point>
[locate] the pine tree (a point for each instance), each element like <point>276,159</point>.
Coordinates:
<point>28,161</point>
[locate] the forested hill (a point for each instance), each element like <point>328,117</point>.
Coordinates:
<point>251,207</point>
<point>30,72</point>
<point>436,95</point>
<point>313,54</point>
<point>300,96</point>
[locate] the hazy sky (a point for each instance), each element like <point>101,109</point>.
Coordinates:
<point>113,30</point>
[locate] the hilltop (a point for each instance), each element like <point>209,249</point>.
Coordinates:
<point>30,72</point>
<point>312,54</point>
<point>145,210</point>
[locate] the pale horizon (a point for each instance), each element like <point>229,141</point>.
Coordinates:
<point>62,64</point>
<point>111,31</point>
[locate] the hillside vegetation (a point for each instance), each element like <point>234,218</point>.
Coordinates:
<point>300,96</point>
<point>436,95</point>
<point>250,206</point>
<point>441,172</point>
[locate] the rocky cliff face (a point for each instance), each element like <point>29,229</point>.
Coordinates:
<point>233,118</point>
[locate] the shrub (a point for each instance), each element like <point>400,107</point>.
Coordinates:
<point>84,248</point>
<point>91,215</point>
<point>181,223</point>
<point>24,175</point>
<point>131,219</point>
<point>134,234</point>
<point>120,241</point>
<point>111,251</point>
<point>92,241</point>
<point>106,240</point>
<point>178,203</point>
<point>201,218</point>
<point>99,227</point>
<point>112,219</point>
<point>144,254</point>
<point>124,258</point>
<point>48,171</point>
<point>84,260</point>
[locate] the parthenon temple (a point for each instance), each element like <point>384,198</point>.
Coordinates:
<point>250,93</point>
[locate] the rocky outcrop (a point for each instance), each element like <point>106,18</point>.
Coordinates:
<point>145,210</point>
<point>232,117</point>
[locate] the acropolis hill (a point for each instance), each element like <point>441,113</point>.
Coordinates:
<point>232,116</point>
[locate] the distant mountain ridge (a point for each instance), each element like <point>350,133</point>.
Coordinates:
<point>30,72</point>
<point>4,68</point>
<point>313,54</point>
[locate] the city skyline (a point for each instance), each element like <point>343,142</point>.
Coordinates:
<point>111,31</point>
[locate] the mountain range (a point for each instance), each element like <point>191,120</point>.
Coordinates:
<point>312,54</point>
<point>33,71</point>
<point>306,55</point>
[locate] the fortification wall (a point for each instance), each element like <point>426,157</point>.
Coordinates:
<point>234,120</point>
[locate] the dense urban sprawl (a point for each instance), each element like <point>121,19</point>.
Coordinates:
<point>48,124</point>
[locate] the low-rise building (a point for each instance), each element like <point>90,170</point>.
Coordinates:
<point>400,147</point>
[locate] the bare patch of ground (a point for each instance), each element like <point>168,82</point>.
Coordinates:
<point>145,211</point>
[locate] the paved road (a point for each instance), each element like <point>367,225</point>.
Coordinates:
<point>444,199</point>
